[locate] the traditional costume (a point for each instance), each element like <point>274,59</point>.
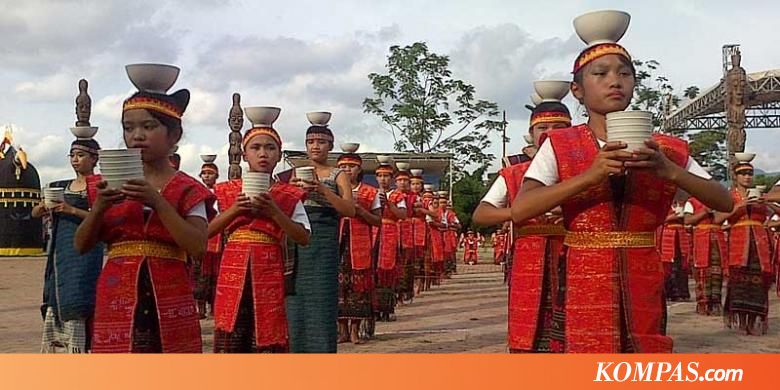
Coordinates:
<point>388,267</point>
<point>708,258</point>
<point>675,250</point>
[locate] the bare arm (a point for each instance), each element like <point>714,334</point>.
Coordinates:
<point>373,218</point>
<point>487,215</point>
<point>693,219</point>
<point>189,233</point>
<point>673,218</point>
<point>39,210</point>
<point>87,234</point>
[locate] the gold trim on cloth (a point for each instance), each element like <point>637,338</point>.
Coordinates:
<point>146,249</point>
<point>251,236</point>
<point>675,226</point>
<point>389,221</point>
<point>21,252</point>
<point>748,223</point>
<point>707,226</point>
<point>599,240</point>
<point>540,230</point>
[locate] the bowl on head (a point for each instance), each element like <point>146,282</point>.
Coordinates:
<point>551,90</point>
<point>318,118</point>
<point>416,172</point>
<point>536,99</point>
<point>264,116</point>
<point>402,166</point>
<point>384,159</point>
<point>208,158</point>
<point>350,147</point>
<point>744,157</point>
<point>84,132</point>
<point>157,78</point>
<point>598,27</point>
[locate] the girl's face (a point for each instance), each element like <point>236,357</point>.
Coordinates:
<point>417,187</point>
<point>262,154</point>
<point>210,177</point>
<point>745,179</point>
<point>82,162</point>
<point>402,184</point>
<point>352,170</point>
<point>541,128</point>
<point>318,149</point>
<point>142,130</point>
<point>384,180</point>
<point>607,85</point>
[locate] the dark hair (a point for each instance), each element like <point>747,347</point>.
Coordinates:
<point>315,129</point>
<point>81,144</point>
<point>625,61</point>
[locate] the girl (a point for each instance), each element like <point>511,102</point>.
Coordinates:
<point>709,255</point>
<point>610,293</point>
<point>388,267</point>
<point>144,297</point>
<point>313,311</point>
<point>249,305</point>
<point>70,278</point>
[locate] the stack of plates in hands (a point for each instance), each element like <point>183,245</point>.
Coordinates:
<point>305,173</point>
<point>117,166</point>
<point>255,183</point>
<point>631,127</point>
<point>753,193</point>
<point>52,196</point>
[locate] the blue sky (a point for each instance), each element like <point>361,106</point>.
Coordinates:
<point>312,55</point>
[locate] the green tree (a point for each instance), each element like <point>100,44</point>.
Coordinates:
<point>766,180</point>
<point>426,110</point>
<point>467,192</point>
<point>708,148</point>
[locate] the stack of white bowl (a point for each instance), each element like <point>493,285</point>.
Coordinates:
<point>52,196</point>
<point>255,183</point>
<point>305,173</point>
<point>117,166</point>
<point>630,127</point>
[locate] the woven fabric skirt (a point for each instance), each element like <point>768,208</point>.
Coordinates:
<point>747,297</point>
<point>313,311</point>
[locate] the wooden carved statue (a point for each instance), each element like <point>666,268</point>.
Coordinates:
<point>83,105</point>
<point>735,99</point>
<point>236,122</point>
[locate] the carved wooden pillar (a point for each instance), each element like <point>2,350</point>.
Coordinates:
<point>236,122</point>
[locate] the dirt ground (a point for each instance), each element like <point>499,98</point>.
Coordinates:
<point>467,314</point>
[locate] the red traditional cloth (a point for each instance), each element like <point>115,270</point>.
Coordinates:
<point>529,254</point>
<point>743,226</point>
<point>702,233</point>
<point>360,234</point>
<point>614,296</point>
<point>437,240</point>
<point>450,235</point>
<point>263,260</point>
<point>470,250</point>
<point>499,246</point>
<point>669,250</point>
<point>388,272</point>
<point>407,225</point>
<point>117,288</point>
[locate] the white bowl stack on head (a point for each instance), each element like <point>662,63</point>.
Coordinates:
<point>255,183</point>
<point>208,158</point>
<point>52,196</point>
<point>84,132</point>
<point>402,166</point>
<point>156,78</point>
<point>117,166</point>
<point>350,147</point>
<point>443,194</point>
<point>416,172</point>
<point>744,157</point>
<point>384,160</point>
<point>536,99</point>
<point>262,116</point>
<point>630,127</point>
<point>428,187</point>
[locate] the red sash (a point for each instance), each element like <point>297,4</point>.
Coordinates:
<point>741,231</point>
<point>360,236</point>
<point>388,243</point>
<point>605,286</point>
<point>117,287</point>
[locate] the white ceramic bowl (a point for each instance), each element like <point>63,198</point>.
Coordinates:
<point>158,78</point>
<point>318,118</point>
<point>262,115</point>
<point>744,157</point>
<point>761,188</point>
<point>428,187</point>
<point>536,99</point>
<point>443,193</point>
<point>350,147</point>
<point>383,159</point>
<point>753,193</point>
<point>630,114</point>
<point>121,170</point>
<point>305,173</point>
<point>84,132</point>
<point>416,172</point>
<point>601,26</point>
<point>119,152</point>
<point>208,158</point>
<point>552,90</point>
<point>402,166</point>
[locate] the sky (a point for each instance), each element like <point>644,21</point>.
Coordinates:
<point>315,55</point>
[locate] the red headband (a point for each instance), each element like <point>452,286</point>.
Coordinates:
<point>597,51</point>
<point>255,131</point>
<point>384,169</point>
<point>149,103</point>
<point>350,159</point>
